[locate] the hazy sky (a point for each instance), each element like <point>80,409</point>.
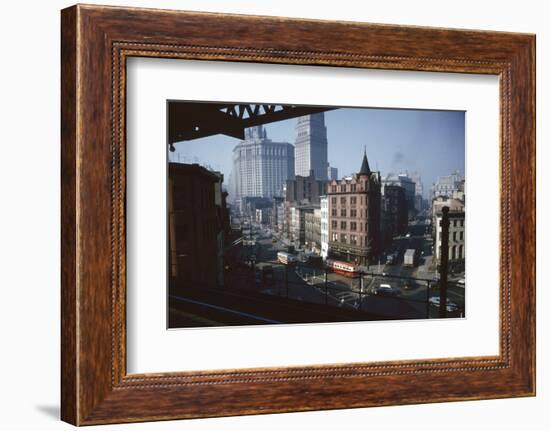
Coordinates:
<point>397,140</point>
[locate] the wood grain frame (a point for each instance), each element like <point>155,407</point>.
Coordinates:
<point>95,43</point>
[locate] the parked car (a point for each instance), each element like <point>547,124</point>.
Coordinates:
<point>385,290</point>
<point>410,284</point>
<point>435,301</point>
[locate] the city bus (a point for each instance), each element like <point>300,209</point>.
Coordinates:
<point>286,258</point>
<point>343,268</point>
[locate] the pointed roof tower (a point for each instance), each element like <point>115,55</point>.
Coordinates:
<point>365,169</point>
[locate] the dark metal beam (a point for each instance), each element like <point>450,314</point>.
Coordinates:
<point>192,120</point>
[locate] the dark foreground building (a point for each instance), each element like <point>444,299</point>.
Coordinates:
<point>198,222</point>
<point>394,213</point>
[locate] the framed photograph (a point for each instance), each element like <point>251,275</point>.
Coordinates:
<point>266,215</point>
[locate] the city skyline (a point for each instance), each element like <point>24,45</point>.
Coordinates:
<point>259,235</point>
<point>430,143</point>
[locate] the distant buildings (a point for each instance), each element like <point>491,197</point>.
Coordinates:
<point>456,230</point>
<point>198,222</point>
<point>448,184</point>
<point>332,173</point>
<point>263,215</point>
<point>404,181</point>
<point>249,204</point>
<point>418,186</point>
<point>394,212</point>
<point>354,216</point>
<point>324,226</point>
<point>297,223</point>
<point>260,166</point>
<point>311,146</point>
<point>302,195</point>
<point>313,231</point>
<point>420,203</point>
<point>277,213</point>
<point>305,189</point>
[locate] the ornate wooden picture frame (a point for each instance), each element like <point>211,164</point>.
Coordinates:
<point>96,41</point>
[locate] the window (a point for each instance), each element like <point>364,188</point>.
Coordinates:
<point>454,235</point>
<point>334,200</point>
<point>343,238</point>
<point>343,225</point>
<point>353,239</point>
<point>353,187</point>
<point>343,200</point>
<point>353,225</point>
<point>353,213</point>
<point>334,224</point>
<point>334,212</point>
<point>343,188</point>
<point>333,189</point>
<point>353,200</point>
<point>334,237</point>
<point>461,236</point>
<point>343,212</point>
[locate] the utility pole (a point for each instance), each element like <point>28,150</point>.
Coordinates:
<point>444,262</point>
<point>286,279</point>
<point>326,286</point>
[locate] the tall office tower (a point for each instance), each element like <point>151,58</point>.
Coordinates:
<point>260,166</point>
<point>311,148</point>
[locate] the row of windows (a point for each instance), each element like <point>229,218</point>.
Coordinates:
<point>343,200</point>
<point>461,236</point>
<point>343,213</point>
<point>343,188</point>
<point>343,225</point>
<point>343,238</point>
<point>455,252</point>
<point>456,223</point>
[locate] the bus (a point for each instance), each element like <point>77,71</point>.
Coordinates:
<point>343,268</point>
<point>286,258</point>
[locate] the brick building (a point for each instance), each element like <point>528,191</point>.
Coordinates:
<point>198,224</point>
<point>354,216</point>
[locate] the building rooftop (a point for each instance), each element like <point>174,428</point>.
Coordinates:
<point>365,168</point>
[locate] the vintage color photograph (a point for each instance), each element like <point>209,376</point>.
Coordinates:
<point>285,214</point>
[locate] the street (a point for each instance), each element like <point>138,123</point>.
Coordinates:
<point>412,285</point>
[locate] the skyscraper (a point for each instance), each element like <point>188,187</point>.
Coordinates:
<point>260,166</point>
<point>311,148</point>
